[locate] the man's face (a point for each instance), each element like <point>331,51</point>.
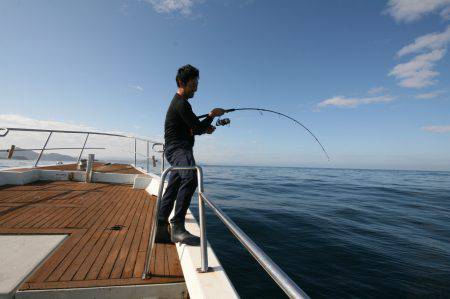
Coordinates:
<point>191,88</point>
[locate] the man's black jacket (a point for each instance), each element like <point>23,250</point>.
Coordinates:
<point>182,124</point>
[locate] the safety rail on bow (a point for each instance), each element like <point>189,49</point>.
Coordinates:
<point>279,276</point>
<point>5,131</point>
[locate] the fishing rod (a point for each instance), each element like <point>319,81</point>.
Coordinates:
<point>226,121</point>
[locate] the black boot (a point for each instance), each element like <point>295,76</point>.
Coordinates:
<point>162,232</point>
<point>180,234</point>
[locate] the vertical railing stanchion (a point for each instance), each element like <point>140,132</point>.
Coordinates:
<point>42,150</point>
<point>162,160</point>
<point>148,157</point>
<point>89,168</point>
<point>82,149</point>
<point>201,211</point>
<point>151,241</point>
<point>135,149</point>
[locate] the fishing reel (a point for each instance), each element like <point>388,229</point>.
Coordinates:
<point>223,122</point>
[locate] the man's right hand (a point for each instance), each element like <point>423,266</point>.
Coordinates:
<point>210,129</point>
<point>216,112</point>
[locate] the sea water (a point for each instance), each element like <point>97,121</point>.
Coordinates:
<point>338,233</point>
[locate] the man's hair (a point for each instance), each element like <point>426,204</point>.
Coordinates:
<point>186,73</point>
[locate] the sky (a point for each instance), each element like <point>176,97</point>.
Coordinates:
<point>371,79</point>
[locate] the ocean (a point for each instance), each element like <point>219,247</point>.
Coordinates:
<point>338,233</point>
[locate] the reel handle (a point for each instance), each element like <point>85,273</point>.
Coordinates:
<point>223,122</point>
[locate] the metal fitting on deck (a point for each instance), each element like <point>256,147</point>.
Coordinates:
<point>89,167</point>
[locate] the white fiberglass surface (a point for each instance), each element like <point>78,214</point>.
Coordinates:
<point>21,254</point>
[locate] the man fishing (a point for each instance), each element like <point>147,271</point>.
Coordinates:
<point>180,126</point>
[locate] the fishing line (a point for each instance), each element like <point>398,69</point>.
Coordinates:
<point>227,121</point>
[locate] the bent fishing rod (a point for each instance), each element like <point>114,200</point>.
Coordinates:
<point>225,121</point>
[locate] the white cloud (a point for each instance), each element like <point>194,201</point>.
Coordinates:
<point>169,6</point>
<point>431,41</point>
<point>20,121</point>
<point>437,129</point>
<point>418,72</point>
<point>376,90</point>
<point>136,87</point>
<point>429,95</point>
<point>341,101</point>
<point>425,96</point>
<point>412,10</point>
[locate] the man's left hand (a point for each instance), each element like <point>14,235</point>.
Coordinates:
<point>216,112</point>
<point>210,129</point>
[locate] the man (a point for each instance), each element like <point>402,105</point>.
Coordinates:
<point>179,129</point>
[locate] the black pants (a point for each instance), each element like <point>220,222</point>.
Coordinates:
<point>181,187</point>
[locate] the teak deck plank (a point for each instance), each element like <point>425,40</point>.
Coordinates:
<point>87,249</point>
<point>131,259</point>
<point>92,255</point>
<point>105,272</point>
<point>159,267</point>
<point>106,249</point>
<point>125,249</point>
<point>174,262</point>
<point>77,252</point>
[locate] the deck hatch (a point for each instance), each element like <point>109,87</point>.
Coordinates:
<point>20,255</point>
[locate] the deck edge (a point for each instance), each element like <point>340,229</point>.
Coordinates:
<point>166,290</point>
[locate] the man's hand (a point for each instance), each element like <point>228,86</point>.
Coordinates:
<point>216,112</point>
<point>210,129</point>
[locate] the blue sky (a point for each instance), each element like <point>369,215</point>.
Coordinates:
<point>370,78</point>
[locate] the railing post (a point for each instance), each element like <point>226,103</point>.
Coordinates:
<point>135,148</point>
<point>82,149</point>
<point>201,212</point>
<point>42,150</point>
<point>148,157</point>
<point>11,151</point>
<point>89,168</point>
<point>162,161</point>
<point>151,241</point>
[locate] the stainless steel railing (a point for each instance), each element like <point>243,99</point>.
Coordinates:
<point>5,131</point>
<point>279,276</point>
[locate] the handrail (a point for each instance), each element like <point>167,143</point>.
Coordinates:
<point>51,149</point>
<point>278,275</point>
<point>5,131</point>
<point>74,132</point>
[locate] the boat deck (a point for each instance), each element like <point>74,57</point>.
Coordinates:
<point>108,226</point>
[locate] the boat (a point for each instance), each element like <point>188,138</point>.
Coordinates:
<point>87,230</point>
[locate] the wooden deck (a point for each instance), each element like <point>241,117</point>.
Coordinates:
<point>93,254</point>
